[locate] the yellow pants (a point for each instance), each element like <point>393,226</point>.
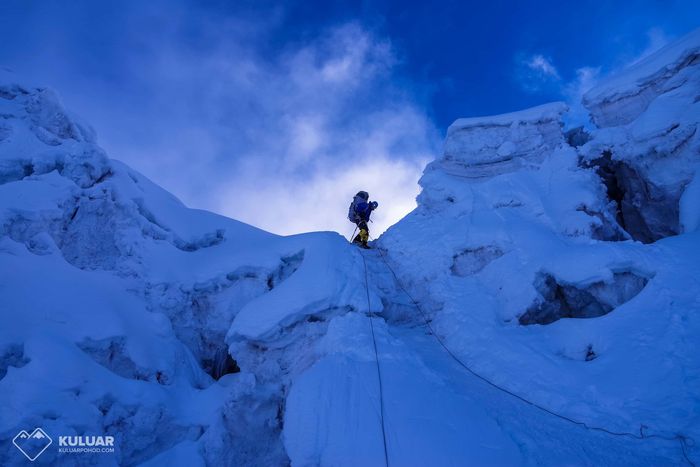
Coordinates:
<point>364,235</point>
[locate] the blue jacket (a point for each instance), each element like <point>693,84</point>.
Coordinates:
<point>360,210</point>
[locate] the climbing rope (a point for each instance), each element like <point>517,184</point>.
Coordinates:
<point>376,357</point>
<point>684,441</point>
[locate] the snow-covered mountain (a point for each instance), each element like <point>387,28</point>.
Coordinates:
<point>195,339</point>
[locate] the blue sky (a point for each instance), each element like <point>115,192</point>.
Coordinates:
<point>276,113</point>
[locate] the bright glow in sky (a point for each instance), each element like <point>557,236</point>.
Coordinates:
<point>277,114</point>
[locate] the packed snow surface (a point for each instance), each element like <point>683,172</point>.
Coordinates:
<point>566,275</point>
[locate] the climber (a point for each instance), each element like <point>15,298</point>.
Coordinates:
<point>360,210</point>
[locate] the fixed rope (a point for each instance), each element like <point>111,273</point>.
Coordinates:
<point>376,357</point>
<point>683,440</point>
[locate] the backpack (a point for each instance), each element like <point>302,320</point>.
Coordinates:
<point>357,201</point>
<point>352,217</point>
<point>351,212</point>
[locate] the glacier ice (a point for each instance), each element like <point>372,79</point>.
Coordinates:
<point>594,222</point>
<point>648,120</point>
<point>559,300</point>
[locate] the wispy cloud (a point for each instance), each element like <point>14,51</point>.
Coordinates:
<point>280,137</point>
<point>542,66</point>
<point>333,124</point>
<point>327,123</point>
<point>535,72</point>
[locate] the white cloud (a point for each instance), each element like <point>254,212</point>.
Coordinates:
<point>538,71</point>
<point>535,72</point>
<point>321,201</point>
<point>283,142</point>
<point>543,66</point>
<point>307,136</point>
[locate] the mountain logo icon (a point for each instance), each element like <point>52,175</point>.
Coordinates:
<point>32,445</point>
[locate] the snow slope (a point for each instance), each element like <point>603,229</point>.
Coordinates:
<point>562,269</point>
